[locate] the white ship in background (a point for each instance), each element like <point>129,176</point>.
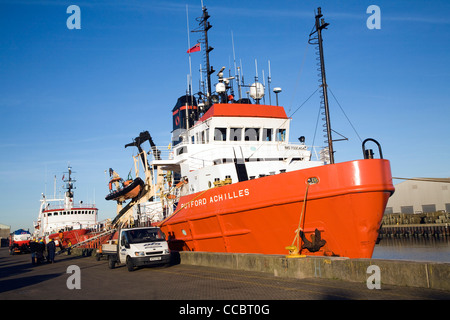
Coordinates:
<point>61,216</point>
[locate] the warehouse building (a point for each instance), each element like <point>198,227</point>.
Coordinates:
<point>420,195</point>
<point>4,234</point>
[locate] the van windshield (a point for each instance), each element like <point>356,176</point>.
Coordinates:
<point>144,235</point>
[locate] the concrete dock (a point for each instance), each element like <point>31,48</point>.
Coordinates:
<point>225,278</point>
<point>392,272</point>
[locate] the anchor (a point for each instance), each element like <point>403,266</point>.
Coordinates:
<point>316,241</point>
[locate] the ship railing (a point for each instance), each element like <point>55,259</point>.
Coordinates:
<point>82,205</point>
<point>167,152</point>
<point>74,206</point>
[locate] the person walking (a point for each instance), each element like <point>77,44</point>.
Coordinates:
<point>51,248</point>
<point>40,251</point>
<point>33,248</point>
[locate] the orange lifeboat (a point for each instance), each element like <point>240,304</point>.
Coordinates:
<point>129,190</point>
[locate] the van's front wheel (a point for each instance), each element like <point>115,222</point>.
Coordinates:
<point>130,264</point>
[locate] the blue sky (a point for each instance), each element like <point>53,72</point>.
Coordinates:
<point>78,96</point>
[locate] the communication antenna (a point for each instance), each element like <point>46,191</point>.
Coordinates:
<point>257,88</point>
<point>236,69</point>
<point>242,71</point>
<point>277,90</point>
<point>264,86</point>
<point>269,80</point>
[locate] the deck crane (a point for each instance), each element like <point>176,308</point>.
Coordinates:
<point>147,192</point>
<point>149,189</point>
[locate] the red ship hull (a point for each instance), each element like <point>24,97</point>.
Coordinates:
<point>71,237</point>
<point>346,206</point>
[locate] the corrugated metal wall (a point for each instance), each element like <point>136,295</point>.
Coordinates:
<point>413,196</point>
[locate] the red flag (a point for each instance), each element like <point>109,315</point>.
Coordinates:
<point>194,48</point>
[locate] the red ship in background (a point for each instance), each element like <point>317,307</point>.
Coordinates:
<point>232,182</point>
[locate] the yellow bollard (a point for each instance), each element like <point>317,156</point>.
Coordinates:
<point>294,252</point>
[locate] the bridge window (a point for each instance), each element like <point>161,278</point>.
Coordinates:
<point>202,137</point>
<point>235,134</point>
<point>281,135</point>
<point>220,134</point>
<point>181,150</point>
<point>267,134</point>
<point>251,134</point>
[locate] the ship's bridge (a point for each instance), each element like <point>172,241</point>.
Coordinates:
<point>237,141</point>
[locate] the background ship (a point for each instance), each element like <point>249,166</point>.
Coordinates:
<point>62,219</point>
<point>231,181</point>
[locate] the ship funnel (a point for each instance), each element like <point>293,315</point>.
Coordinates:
<point>184,114</point>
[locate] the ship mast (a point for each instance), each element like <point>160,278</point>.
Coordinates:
<point>209,70</point>
<point>319,25</point>
<point>69,193</point>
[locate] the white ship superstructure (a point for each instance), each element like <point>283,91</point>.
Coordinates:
<point>58,214</point>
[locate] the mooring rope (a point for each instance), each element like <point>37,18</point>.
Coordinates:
<point>292,249</point>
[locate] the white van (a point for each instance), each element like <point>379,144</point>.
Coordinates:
<point>138,247</point>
